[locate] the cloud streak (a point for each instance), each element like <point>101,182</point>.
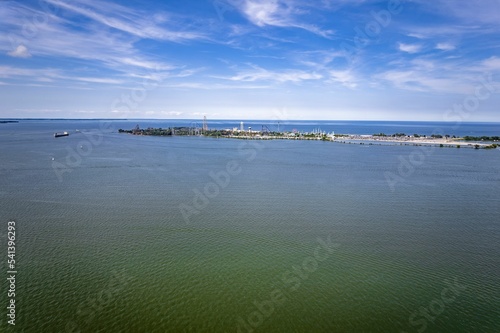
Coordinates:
<point>279,13</point>
<point>127,20</point>
<point>410,48</point>
<point>445,46</point>
<point>21,51</point>
<point>284,76</point>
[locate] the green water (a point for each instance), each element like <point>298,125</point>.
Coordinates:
<point>107,248</point>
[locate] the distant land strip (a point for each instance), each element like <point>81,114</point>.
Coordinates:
<point>484,142</point>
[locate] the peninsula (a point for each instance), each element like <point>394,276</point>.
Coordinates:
<point>484,142</point>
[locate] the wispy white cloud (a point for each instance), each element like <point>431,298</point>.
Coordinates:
<point>58,39</point>
<point>21,51</point>
<point>279,13</point>
<point>264,13</point>
<point>345,77</point>
<point>423,82</point>
<point>318,59</point>
<point>85,111</point>
<point>477,11</point>
<point>59,78</point>
<point>147,64</point>
<point>261,74</point>
<point>128,20</point>
<point>445,46</point>
<point>450,31</point>
<point>50,75</point>
<point>96,80</point>
<point>438,75</point>
<point>112,51</point>
<point>491,64</point>
<point>410,48</point>
<point>217,86</point>
<point>161,114</point>
<point>422,64</point>
<point>11,71</point>
<point>416,35</point>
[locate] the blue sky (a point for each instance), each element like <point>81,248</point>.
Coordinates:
<point>251,59</point>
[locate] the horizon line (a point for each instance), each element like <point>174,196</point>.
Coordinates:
<point>250,120</point>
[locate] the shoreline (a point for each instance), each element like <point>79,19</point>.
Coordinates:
<point>377,139</point>
<point>354,139</point>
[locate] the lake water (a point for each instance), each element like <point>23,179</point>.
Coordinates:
<point>120,233</point>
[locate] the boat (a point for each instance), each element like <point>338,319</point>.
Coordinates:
<point>57,135</point>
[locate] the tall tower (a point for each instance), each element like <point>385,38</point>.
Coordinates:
<point>205,125</point>
<point>241,127</point>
